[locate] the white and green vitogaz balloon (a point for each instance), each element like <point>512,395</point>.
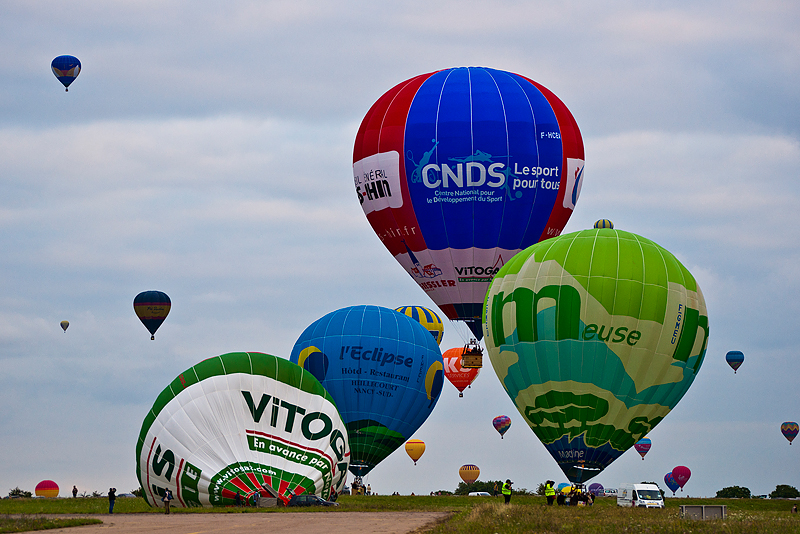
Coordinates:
<point>242,423</point>
<point>595,335</point>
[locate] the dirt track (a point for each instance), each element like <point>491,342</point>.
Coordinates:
<point>284,523</point>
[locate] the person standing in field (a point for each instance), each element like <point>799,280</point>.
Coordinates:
<point>74,491</point>
<point>166,500</point>
<point>112,497</point>
<point>550,492</point>
<point>507,490</point>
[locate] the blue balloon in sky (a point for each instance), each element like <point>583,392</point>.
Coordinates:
<point>66,69</point>
<point>383,369</point>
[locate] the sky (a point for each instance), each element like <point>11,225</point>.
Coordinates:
<point>205,150</point>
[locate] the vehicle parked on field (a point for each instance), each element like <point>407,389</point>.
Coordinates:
<point>639,496</point>
<point>310,500</point>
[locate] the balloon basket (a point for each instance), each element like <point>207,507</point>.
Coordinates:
<point>472,356</point>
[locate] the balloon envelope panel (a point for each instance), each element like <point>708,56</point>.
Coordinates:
<point>427,318</point>
<point>596,336</point>
<point>237,421</point>
<point>458,170</point>
<point>384,371</point>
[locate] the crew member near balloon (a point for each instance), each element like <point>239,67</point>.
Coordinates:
<point>550,492</point>
<point>507,490</point>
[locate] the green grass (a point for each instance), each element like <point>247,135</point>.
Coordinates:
<point>25,524</point>
<point>468,515</point>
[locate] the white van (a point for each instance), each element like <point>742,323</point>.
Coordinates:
<point>639,495</point>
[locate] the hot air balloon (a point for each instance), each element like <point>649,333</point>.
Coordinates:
<point>670,482</point>
<point>427,318</point>
<point>46,488</point>
<point>564,487</point>
<point>501,423</point>
<point>66,69</point>
<point>469,473</point>
<point>681,475</point>
<point>596,336</point>
<point>596,488</point>
<point>383,369</point>
<point>241,423</point>
<point>460,377</point>
<point>789,430</point>
<point>152,307</point>
<point>64,326</point>
<point>642,446</point>
<point>734,359</point>
<point>603,223</point>
<point>458,170</point>
<point>415,448</point>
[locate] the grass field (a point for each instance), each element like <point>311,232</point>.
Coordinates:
<point>526,514</point>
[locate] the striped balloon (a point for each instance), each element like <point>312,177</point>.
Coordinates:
<point>427,318</point>
<point>734,359</point>
<point>501,423</point>
<point>642,446</point>
<point>152,307</point>
<point>789,430</point>
<point>46,488</point>
<point>604,223</point>
<point>469,473</point>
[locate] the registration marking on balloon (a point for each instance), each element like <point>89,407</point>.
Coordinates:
<point>595,336</point>
<point>235,423</point>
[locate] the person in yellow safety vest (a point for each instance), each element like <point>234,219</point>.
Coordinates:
<point>550,492</point>
<point>506,491</point>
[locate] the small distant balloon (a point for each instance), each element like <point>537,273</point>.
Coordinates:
<point>46,488</point>
<point>152,307</point>
<point>604,223</point>
<point>789,430</point>
<point>427,318</point>
<point>642,446</point>
<point>681,475</point>
<point>670,482</point>
<point>734,359</point>
<point>66,69</point>
<point>415,448</point>
<point>469,473</point>
<point>64,326</point>
<point>501,423</point>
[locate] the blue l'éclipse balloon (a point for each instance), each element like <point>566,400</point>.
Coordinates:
<point>383,369</point>
<point>670,482</point>
<point>66,69</point>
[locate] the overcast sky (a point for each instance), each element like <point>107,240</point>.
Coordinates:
<point>205,150</point>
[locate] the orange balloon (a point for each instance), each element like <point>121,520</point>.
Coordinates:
<point>415,448</point>
<point>457,375</point>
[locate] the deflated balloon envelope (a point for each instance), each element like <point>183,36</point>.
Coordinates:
<point>596,336</point>
<point>241,422</point>
<point>383,369</point>
<point>458,170</point>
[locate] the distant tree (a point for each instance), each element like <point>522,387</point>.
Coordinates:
<point>733,492</point>
<point>540,489</point>
<point>96,493</point>
<point>659,488</point>
<point>783,491</point>
<point>488,486</point>
<point>16,492</point>
<point>138,492</point>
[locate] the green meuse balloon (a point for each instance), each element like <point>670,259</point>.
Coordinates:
<point>595,335</point>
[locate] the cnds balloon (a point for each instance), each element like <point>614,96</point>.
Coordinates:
<point>642,446</point>
<point>427,318</point>
<point>501,423</point>
<point>458,170</point>
<point>152,307</point>
<point>66,69</point>
<point>241,423</point>
<point>415,448</point>
<point>789,429</point>
<point>596,336</point>
<point>383,369</point>
<point>460,377</point>
<point>735,358</point>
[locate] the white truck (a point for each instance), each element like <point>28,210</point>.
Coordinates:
<point>639,495</point>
